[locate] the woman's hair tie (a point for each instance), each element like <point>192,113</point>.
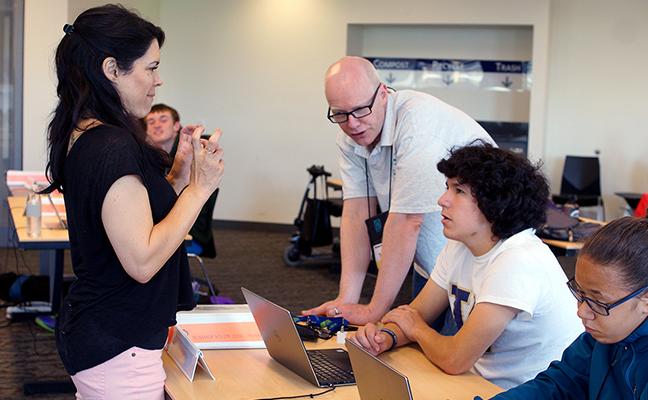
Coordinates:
<point>68,29</point>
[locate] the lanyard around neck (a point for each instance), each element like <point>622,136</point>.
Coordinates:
<point>391,165</point>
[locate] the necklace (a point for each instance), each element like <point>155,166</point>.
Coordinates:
<point>83,127</point>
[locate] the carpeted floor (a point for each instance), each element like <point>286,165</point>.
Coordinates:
<point>245,258</point>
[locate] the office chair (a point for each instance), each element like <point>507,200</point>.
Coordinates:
<point>202,244</point>
<point>641,210</point>
<point>201,232</point>
<point>581,183</point>
<point>213,293</point>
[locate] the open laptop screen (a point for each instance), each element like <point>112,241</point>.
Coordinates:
<point>375,379</point>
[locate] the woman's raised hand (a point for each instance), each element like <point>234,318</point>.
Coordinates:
<point>180,172</point>
<point>207,166</point>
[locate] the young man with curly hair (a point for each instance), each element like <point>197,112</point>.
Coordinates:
<point>505,288</point>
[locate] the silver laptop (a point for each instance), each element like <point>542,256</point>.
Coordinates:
<point>323,368</point>
<point>375,379</point>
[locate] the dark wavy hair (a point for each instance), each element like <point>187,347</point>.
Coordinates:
<point>623,245</point>
<point>83,89</point>
<point>510,191</point>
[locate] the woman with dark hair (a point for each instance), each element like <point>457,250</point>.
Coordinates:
<point>505,288</point>
<point>609,360</point>
<point>127,223</point>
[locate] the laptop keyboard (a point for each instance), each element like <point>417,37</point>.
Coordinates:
<point>327,372</point>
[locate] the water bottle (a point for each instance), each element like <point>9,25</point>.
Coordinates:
<point>33,213</point>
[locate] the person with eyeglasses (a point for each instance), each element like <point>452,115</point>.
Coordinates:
<point>505,287</point>
<point>609,360</point>
<point>389,145</point>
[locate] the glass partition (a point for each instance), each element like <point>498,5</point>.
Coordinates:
<point>11,69</point>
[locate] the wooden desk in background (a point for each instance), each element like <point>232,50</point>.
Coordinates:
<point>567,247</point>
<point>52,244</point>
<point>54,236</point>
<point>252,374</point>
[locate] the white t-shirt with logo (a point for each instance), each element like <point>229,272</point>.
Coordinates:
<point>522,273</point>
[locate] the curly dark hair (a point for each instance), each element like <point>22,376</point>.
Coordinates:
<point>510,191</point>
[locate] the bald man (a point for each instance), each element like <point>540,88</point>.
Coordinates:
<point>386,134</point>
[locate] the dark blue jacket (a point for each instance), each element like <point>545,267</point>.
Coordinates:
<point>592,370</point>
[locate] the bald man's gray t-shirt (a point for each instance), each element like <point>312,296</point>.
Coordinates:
<point>418,132</point>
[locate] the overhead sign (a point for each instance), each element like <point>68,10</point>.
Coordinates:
<point>416,73</point>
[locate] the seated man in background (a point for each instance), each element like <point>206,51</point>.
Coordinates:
<point>506,290</point>
<point>163,131</point>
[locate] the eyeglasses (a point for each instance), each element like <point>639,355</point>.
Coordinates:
<point>360,112</point>
<point>597,306</point>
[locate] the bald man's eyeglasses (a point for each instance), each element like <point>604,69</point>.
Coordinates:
<point>360,112</point>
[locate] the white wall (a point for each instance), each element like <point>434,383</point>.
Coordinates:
<point>149,9</point>
<point>44,21</point>
<point>512,43</point>
<point>255,68</point>
<point>598,88</point>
